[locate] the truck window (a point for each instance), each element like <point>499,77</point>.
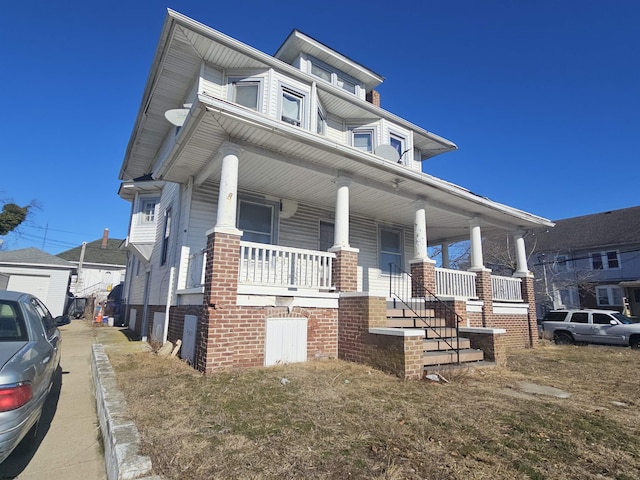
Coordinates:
<point>601,318</point>
<point>579,317</point>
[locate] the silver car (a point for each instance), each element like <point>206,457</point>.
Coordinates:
<point>29,357</point>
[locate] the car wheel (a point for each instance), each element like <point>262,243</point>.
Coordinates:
<point>635,343</point>
<point>563,338</point>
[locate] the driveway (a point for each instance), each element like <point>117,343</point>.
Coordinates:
<point>69,445</point>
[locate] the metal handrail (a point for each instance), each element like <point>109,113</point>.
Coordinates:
<point>402,287</point>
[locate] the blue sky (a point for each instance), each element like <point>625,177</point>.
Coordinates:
<point>542,98</point>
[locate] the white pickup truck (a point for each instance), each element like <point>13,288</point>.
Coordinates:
<point>591,326</point>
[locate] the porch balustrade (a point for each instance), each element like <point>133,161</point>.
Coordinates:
<point>455,283</point>
<point>506,289</point>
<point>272,265</point>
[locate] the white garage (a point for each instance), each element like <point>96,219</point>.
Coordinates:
<point>33,271</point>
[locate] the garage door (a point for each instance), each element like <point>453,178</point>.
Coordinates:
<point>35,285</point>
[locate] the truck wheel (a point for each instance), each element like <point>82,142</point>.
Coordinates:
<point>563,338</point>
<point>635,342</point>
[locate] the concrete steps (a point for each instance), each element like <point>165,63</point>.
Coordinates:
<point>440,341</point>
<point>445,358</point>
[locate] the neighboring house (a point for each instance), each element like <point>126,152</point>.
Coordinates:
<point>99,266</point>
<point>36,272</point>
<point>592,261</point>
<point>270,194</point>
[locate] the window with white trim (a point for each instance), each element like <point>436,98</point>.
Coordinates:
<point>390,244</point>
<point>246,92</point>
<point>335,77</point>
<point>292,105</point>
<point>605,260</point>
<point>609,295</point>
<point>257,221</point>
<point>363,139</point>
<point>569,297</point>
<point>148,211</point>
<point>399,144</point>
<point>321,121</point>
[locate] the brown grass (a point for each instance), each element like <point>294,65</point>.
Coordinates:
<point>339,420</point>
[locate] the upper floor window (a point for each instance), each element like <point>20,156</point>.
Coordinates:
<point>148,211</point>
<point>605,260</point>
<point>399,143</point>
<point>246,92</point>
<point>363,139</point>
<point>332,76</point>
<point>562,264</point>
<point>321,122</point>
<point>292,107</point>
<point>609,295</point>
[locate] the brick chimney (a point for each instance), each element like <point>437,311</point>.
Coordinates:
<point>105,238</point>
<point>373,97</point>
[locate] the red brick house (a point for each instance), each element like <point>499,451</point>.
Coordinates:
<point>271,197</point>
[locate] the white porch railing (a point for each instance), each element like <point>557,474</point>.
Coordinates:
<point>456,283</point>
<point>506,289</point>
<point>272,265</point>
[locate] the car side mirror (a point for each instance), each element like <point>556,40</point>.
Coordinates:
<point>62,320</point>
<point>613,322</point>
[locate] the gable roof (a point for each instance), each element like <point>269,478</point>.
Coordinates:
<point>32,256</point>
<point>605,229</point>
<point>94,253</point>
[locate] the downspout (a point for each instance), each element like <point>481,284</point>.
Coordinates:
<point>165,332</point>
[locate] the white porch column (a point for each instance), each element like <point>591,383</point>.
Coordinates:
<point>445,256</point>
<point>420,232</point>
<point>228,194</point>
<point>521,255</point>
<point>477,262</point>
<point>341,230</point>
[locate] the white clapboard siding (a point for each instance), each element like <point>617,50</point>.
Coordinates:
<point>211,82</point>
<point>303,229</point>
<point>335,129</point>
<point>285,341</point>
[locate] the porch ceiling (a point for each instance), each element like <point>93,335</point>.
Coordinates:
<point>291,163</point>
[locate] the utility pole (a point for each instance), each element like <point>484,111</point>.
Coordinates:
<point>79,279</point>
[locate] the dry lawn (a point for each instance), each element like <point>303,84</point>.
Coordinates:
<point>337,420</point>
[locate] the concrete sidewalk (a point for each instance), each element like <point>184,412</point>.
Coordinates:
<point>70,446</point>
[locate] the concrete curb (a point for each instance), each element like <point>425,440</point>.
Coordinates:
<point>119,435</point>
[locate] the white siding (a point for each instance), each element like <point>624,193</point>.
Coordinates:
<point>160,273</point>
<point>211,82</point>
<point>336,130</point>
<point>303,229</point>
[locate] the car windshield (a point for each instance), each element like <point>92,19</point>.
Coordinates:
<point>625,320</point>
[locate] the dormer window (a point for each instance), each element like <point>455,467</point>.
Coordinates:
<point>148,211</point>
<point>332,76</point>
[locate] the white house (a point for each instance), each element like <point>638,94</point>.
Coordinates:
<point>100,266</point>
<point>271,193</point>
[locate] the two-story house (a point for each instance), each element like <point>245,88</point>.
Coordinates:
<point>591,261</point>
<point>274,202</point>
